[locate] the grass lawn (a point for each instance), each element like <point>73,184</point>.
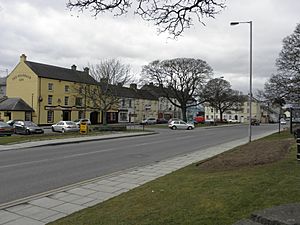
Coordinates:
<point>4,140</point>
<point>204,195</point>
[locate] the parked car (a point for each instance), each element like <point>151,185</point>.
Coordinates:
<point>199,119</point>
<point>27,127</point>
<point>180,124</point>
<point>255,122</point>
<point>172,119</point>
<point>161,121</point>
<point>282,121</point>
<point>150,120</point>
<point>6,129</point>
<point>232,121</point>
<point>79,121</point>
<point>12,122</point>
<point>209,121</point>
<point>65,126</point>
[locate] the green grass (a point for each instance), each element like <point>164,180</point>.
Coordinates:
<point>4,140</point>
<point>192,196</point>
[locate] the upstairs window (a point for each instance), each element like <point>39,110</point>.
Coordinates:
<point>67,88</point>
<point>50,86</point>
<point>78,101</point>
<point>50,99</point>
<point>66,100</point>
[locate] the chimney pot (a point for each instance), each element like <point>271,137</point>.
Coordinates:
<point>23,58</point>
<point>133,86</point>
<point>73,67</point>
<point>86,70</point>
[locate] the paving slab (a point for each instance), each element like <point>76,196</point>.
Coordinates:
<point>6,216</point>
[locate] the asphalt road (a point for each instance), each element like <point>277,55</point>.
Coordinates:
<point>34,170</point>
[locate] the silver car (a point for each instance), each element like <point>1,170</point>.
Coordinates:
<point>65,126</point>
<point>27,127</point>
<point>180,124</point>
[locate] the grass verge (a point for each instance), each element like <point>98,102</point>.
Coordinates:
<point>194,195</point>
<point>15,139</point>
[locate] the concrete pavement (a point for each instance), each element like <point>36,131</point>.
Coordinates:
<point>46,207</point>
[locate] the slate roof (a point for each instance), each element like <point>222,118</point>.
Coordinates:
<point>157,91</point>
<point>134,93</point>
<point>14,104</point>
<point>59,73</point>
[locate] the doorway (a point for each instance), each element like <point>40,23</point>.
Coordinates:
<point>66,115</point>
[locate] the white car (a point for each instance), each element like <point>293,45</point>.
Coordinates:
<point>150,120</point>
<point>65,126</point>
<point>180,124</point>
<point>232,121</point>
<point>282,121</point>
<point>79,121</point>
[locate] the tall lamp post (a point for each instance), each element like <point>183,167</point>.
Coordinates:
<point>250,87</point>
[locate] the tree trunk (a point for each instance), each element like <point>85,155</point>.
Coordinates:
<point>104,117</point>
<point>183,111</point>
<point>221,116</point>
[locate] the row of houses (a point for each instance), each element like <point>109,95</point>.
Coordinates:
<point>47,94</point>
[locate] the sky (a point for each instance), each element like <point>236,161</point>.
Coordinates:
<point>48,32</point>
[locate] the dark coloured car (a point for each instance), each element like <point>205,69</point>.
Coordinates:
<point>27,127</point>
<point>5,129</point>
<point>255,122</point>
<point>161,121</point>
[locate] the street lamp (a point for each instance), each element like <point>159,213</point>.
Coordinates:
<point>250,88</point>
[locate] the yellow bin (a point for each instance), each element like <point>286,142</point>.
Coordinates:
<point>83,128</point>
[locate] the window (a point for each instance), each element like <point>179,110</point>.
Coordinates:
<point>67,88</point>
<point>212,110</point>
<point>50,99</point>
<point>50,86</point>
<point>130,103</point>
<point>50,116</point>
<point>81,114</point>
<point>123,102</point>
<point>28,116</point>
<point>123,116</point>
<point>78,101</point>
<point>66,100</point>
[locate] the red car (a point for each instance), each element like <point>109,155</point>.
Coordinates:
<point>199,119</point>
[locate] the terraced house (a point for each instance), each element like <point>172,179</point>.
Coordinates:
<point>47,94</point>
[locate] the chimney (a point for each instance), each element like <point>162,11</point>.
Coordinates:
<point>73,67</point>
<point>86,70</point>
<point>133,86</point>
<point>23,58</point>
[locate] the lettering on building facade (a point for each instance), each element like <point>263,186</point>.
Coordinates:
<point>21,77</point>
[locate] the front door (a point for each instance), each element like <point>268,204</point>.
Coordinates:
<point>66,115</point>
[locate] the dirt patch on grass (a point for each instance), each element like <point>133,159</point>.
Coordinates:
<point>255,153</point>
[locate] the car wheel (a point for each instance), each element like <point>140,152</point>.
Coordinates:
<point>63,130</point>
<point>174,128</point>
<point>27,131</point>
<point>189,128</point>
<point>53,129</point>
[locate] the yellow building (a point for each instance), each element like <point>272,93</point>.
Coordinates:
<point>50,92</point>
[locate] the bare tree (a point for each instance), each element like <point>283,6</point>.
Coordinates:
<point>104,94</point>
<point>285,84</point>
<point>169,16</point>
<point>180,80</point>
<point>219,95</point>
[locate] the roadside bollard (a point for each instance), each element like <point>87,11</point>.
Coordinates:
<point>298,144</point>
